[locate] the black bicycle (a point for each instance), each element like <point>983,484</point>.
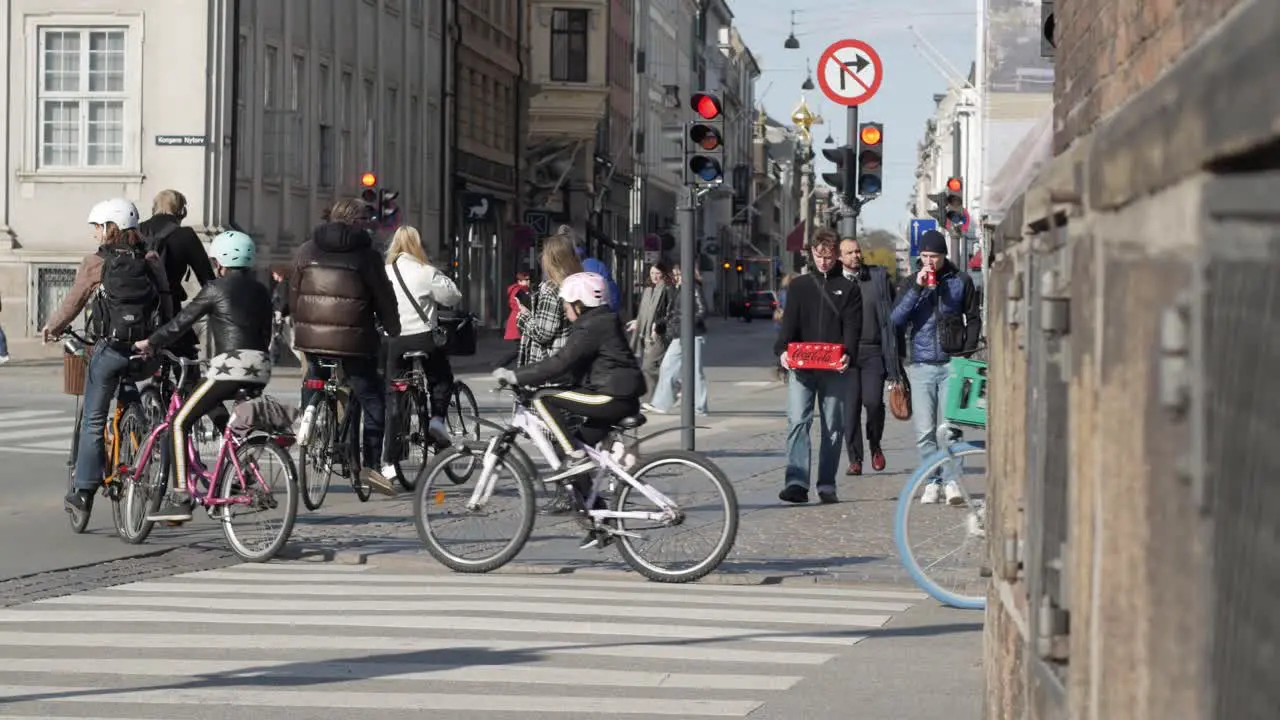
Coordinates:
<point>330,437</point>
<point>412,393</point>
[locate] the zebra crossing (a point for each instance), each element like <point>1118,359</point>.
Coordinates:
<point>324,641</point>
<point>36,432</point>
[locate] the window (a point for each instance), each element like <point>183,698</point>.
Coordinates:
<point>569,45</point>
<point>415,10</point>
<point>243,134</point>
<point>415,163</point>
<point>326,135</point>
<point>370,108</point>
<point>347,99</point>
<point>297,76</point>
<point>82,98</point>
<point>270,77</point>
<point>485,112</point>
<point>390,163</point>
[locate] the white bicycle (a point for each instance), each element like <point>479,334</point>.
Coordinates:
<point>638,520</point>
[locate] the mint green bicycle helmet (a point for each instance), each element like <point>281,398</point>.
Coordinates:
<point>233,249</point>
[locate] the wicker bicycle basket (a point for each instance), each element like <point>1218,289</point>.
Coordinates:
<point>74,369</point>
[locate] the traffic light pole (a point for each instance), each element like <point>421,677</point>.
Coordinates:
<point>849,220</point>
<point>688,284</point>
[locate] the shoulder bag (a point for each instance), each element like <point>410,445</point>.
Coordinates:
<point>950,328</point>
<point>455,330</point>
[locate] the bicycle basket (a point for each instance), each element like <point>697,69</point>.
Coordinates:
<point>74,370</point>
<point>966,400</point>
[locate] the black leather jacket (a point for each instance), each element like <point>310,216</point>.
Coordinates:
<point>239,311</point>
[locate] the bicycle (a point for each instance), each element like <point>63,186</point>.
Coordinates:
<point>329,435</point>
<point>413,392</point>
<point>147,484</point>
<point>128,421</point>
<point>965,407</point>
<point>603,524</point>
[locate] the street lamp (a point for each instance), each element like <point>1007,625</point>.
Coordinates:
<point>792,43</point>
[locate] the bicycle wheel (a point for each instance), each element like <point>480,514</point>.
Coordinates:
<point>415,445</point>
<point>79,520</point>
<point>316,470</point>
<point>463,421</point>
<point>133,430</point>
<point>142,496</point>
<point>268,488</point>
<point>969,519</point>
<point>721,494</point>
<point>452,500</point>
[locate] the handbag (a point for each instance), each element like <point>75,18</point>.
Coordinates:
<point>900,397</point>
<point>455,330</point>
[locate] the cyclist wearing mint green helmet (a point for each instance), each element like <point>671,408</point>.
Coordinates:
<point>238,309</point>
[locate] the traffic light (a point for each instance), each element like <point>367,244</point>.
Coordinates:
<point>370,193</point>
<point>870,159</point>
<point>380,202</point>
<point>704,142</point>
<point>726,264</point>
<point>739,266</point>
<point>939,210</point>
<point>955,215</point>
<point>844,179</point>
<point>386,205</point>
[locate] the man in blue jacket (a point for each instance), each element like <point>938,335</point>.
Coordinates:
<point>941,314</point>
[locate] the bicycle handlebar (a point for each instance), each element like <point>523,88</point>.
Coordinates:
<point>178,360</point>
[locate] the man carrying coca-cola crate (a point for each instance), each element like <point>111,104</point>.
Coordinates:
<point>821,325</point>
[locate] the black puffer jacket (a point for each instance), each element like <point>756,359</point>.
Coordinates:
<point>238,308</point>
<point>596,356</point>
<point>337,290</point>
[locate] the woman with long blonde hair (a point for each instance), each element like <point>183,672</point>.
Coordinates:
<point>420,290</point>
<point>544,326</point>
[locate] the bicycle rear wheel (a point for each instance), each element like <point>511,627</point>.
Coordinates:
<point>79,520</point>
<point>967,520</point>
<point>449,500</point>
<point>133,430</point>
<point>463,421</point>
<point>648,472</point>
<point>316,471</point>
<point>415,444</point>
<point>270,480</point>
<point>141,496</point>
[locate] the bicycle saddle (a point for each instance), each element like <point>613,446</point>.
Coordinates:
<point>631,422</point>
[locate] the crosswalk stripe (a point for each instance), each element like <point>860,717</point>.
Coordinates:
<point>434,590</point>
<point>26,414</point>
<point>53,421</point>
<point>326,575</point>
<point>438,607</point>
<point>281,640</point>
<point>350,700</point>
<point>9,437</point>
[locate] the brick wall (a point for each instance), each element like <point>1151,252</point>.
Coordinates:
<point>1110,50</point>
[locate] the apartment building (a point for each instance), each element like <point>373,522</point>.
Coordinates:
<point>260,111</point>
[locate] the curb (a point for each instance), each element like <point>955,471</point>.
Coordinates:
<point>887,580</point>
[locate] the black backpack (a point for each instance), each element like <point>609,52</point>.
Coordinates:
<point>127,307</point>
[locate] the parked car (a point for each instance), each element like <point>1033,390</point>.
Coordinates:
<point>759,305</point>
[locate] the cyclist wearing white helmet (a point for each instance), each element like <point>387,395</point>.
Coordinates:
<point>239,318</point>
<point>607,383</point>
<point>130,295</point>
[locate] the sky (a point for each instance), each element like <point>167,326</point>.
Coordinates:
<point>904,102</point>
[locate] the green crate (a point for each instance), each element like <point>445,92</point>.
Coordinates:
<point>967,393</point>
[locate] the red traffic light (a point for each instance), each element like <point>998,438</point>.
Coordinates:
<point>870,135</point>
<point>707,106</point>
<point>954,185</point>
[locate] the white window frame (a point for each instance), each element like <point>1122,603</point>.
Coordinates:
<point>130,169</point>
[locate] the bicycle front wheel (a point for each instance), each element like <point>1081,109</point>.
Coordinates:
<point>258,528</point>
<point>143,491</point>
<point>669,473</point>
<point>441,511</point>
<point>79,520</point>
<point>934,569</point>
<point>463,422</point>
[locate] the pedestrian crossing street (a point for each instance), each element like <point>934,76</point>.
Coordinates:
<point>328,642</point>
<point>36,432</point>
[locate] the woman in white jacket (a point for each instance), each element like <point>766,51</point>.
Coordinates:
<point>416,279</point>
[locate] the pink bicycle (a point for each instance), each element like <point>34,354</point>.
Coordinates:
<point>238,485</point>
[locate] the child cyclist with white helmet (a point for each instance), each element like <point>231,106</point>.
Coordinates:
<point>130,296</point>
<point>607,383</point>
<point>238,307</point>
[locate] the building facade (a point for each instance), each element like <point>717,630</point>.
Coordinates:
<point>487,74</point>
<point>260,111</point>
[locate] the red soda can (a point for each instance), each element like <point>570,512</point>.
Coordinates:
<point>930,278</point>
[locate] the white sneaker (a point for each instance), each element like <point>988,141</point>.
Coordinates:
<point>930,495</point>
<point>4,359</point>
<point>954,496</point>
<point>652,409</point>
<point>378,482</point>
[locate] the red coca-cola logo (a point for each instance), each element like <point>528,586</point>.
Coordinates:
<point>815,356</point>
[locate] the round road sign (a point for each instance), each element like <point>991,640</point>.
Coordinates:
<point>850,72</point>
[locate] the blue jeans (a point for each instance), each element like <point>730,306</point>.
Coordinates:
<point>828,390</point>
<point>664,396</point>
<point>107,368</point>
<point>928,392</point>
<point>4,343</point>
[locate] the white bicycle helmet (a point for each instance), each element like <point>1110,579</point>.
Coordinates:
<point>586,288</point>
<point>117,210</point>
<point>233,249</point>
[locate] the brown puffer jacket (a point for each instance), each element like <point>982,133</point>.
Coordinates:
<point>336,291</point>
